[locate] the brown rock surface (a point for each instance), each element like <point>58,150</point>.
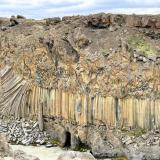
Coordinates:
<point>82,57</point>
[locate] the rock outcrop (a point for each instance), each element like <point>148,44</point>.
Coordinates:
<point>81,76</point>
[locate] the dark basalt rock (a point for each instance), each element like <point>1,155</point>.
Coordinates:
<point>13,21</point>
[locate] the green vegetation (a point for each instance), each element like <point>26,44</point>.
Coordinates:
<point>82,148</point>
<point>141,45</point>
<point>136,132</point>
<point>120,158</point>
<point>35,20</point>
<point>105,52</point>
<point>55,142</point>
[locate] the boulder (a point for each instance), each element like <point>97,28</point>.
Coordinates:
<point>82,41</point>
<point>133,21</point>
<point>60,134</point>
<point>3,28</point>
<point>72,155</point>
<point>82,133</point>
<point>5,149</point>
<point>53,21</point>
<point>99,20</point>
<point>74,141</point>
<point>13,21</point>
<point>102,148</point>
<point>148,21</point>
<point>117,19</point>
<point>20,17</point>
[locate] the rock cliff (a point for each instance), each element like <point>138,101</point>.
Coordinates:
<point>112,55</point>
<point>97,55</point>
<point>79,71</point>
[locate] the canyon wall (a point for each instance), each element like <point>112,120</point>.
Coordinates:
<point>96,69</point>
<point>20,100</point>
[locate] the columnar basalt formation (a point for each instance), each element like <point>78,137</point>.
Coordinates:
<point>77,67</point>
<point>101,69</point>
<point>20,100</point>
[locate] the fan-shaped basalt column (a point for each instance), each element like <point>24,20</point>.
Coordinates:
<point>12,90</point>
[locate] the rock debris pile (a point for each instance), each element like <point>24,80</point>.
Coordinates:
<point>24,132</point>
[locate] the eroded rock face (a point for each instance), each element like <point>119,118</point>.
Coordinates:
<point>134,21</point>
<point>73,56</point>
<point>97,70</point>
<point>82,73</point>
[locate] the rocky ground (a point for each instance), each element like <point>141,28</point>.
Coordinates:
<point>7,153</point>
<point>135,144</point>
<point>24,132</point>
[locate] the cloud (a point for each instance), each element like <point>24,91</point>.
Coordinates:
<point>51,8</point>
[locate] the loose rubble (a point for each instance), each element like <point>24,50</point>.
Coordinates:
<point>24,132</point>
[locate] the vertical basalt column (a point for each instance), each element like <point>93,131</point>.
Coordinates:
<point>152,114</point>
<point>78,108</point>
<point>63,104</point>
<point>96,107</point>
<point>117,112</point>
<point>54,102</point>
<point>51,102</point>
<point>92,101</point>
<point>67,105</point>
<point>157,113</point>
<point>86,98</point>
<point>58,99</point>
<point>40,116</point>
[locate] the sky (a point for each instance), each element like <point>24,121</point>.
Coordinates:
<point>52,8</point>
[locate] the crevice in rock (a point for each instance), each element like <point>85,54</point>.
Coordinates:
<point>68,140</point>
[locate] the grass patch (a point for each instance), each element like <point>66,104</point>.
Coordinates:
<point>35,20</point>
<point>120,158</point>
<point>105,52</point>
<point>141,45</point>
<point>82,148</point>
<point>136,132</point>
<point>55,142</point>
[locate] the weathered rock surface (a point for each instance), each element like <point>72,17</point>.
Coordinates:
<point>6,153</point>
<point>73,56</point>
<point>82,76</point>
<point>72,155</point>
